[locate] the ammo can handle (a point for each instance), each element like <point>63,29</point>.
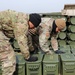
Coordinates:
<point>69,70</point>
<point>33,67</point>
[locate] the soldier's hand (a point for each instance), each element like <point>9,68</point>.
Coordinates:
<point>32,31</point>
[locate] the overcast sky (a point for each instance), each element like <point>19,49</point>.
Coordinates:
<point>34,6</point>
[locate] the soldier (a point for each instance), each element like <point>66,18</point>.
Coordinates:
<point>48,29</point>
<point>15,25</point>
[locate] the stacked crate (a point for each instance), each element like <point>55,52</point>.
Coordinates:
<point>51,65</point>
<point>71,34</point>
<point>65,48</point>
<point>34,68</point>
<point>73,49</point>
<point>62,38</point>
<point>20,65</point>
<point>67,64</point>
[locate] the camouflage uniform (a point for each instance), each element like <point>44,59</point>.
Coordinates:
<point>45,33</point>
<point>33,40</point>
<point>12,25</point>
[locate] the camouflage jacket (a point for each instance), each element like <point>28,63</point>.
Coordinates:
<point>45,33</point>
<point>15,25</point>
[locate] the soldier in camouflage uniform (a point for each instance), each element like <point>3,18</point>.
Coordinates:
<point>15,25</point>
<point>48,29</point>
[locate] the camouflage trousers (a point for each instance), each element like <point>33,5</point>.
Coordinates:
<point>7,56</point>
<point>33,43</point>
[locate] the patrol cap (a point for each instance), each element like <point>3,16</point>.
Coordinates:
<point>60,23</point>
<point>35,19</point>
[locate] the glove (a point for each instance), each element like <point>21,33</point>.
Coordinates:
<point>32,31</point>
<point>59,52</point>
<point>32,59</point>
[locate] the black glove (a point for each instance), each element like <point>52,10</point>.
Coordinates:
<point>32,59</point>
<point>59,52</point>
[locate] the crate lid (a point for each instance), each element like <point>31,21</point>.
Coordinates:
<point>50,58</point>
<point>65,47</point>
<point>20,59</point>
<point>67,57</point>
<point>40,57</point>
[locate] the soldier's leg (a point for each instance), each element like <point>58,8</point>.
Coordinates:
<point>7,56</point>
<point>30,44</point>
<point>35,42</point>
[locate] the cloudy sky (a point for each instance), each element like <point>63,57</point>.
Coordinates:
<point>34,6</point>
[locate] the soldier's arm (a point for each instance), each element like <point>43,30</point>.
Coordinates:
<point>54,43</point>
<point>20,31</point>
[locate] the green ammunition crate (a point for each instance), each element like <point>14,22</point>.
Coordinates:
<point>50,65</point>
<point>62,35</point>
<point>73,49</point>
<point>65,48</point>
<point>20,65</point>
<point>71,36</point>
<point>71,43</point>
<point>61,42</point>
<point>16,46</point>
<point>34,68</point>
<point>73,20</point>
<point>68,64</point>
<point>71,28</point>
